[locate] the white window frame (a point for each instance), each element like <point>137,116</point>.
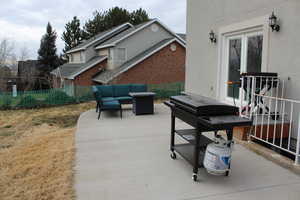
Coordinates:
<point>236,30</point>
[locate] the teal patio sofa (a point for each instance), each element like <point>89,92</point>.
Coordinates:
<point>111,97</point>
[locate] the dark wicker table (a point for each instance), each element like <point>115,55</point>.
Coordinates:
<point>142,102</point>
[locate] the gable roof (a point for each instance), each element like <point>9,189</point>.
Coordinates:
<point>71,70</point>
<point>98,38</point>
<point>182,35</point>
<point>122,36</point>
<point>109,75</point>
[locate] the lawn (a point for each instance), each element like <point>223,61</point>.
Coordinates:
<point>37,152</point>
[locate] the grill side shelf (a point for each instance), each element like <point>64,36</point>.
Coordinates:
<point>189,136</point>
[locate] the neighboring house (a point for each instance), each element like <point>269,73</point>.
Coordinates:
<point>148,53</point>
<point>28,72</point>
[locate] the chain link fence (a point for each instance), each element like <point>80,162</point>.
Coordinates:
<point>56,97</point>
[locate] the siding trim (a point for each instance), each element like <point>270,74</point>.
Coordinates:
<point>87,45</point>
<point>86,68</point>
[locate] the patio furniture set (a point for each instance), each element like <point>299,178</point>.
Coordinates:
<point>112,97</point>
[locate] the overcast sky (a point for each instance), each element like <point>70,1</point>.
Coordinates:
<point>24,21</point>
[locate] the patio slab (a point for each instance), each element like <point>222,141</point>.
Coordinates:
<point>129,158</point>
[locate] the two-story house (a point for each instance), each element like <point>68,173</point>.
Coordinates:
<point>148,53</point>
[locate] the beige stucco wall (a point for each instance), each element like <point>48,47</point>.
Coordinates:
<point>203,56</point>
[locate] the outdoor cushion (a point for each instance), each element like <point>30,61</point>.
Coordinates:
<point>126,98</point>
<point>110,105</point>
<point>108,99</point>
<point>106,90</point>
<point>121,90</point>
<point>138,88</point>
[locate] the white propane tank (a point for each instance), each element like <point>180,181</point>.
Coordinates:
<point>217,157</point>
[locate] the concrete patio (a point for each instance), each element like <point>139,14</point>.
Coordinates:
<point>129,158</point>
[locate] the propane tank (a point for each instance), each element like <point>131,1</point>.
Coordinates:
<point>218,156</point>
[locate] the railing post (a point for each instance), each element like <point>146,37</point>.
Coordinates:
<point>297,160</point>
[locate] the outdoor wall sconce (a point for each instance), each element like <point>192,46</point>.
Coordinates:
<point>273,22</point>
<point>212,37</point>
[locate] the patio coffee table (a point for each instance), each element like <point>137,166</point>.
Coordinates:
<point>142,102</point>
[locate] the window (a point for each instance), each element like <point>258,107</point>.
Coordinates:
<point>121,54</point>
<point>244,55</point>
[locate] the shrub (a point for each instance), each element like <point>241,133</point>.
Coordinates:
<point>58,98</point>
<point>5,101</point>
<point>28,102</point>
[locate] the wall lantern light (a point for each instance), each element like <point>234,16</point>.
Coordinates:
<point>273,22</point>
<point>212,37</point>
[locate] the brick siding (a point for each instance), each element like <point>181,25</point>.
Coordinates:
<point>165,66</point>
<point>86,78</point>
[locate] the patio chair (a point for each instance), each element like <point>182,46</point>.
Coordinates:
<point>101,105</point>
<point>109,106</point>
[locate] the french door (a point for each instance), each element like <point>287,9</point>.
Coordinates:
<point>243,53</point>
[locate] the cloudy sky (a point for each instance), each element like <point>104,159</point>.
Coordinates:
<point>24,21</point>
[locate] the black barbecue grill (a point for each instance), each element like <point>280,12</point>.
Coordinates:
<point>205,115</point>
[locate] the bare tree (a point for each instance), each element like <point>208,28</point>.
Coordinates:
<point>6,51</point>
<point>24,53</point>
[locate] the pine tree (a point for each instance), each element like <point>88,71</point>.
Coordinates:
<point>72,36</point>
<point>139,16</point>
<point>47,56</point>
<point>115,16</point>
<point>94,26</point>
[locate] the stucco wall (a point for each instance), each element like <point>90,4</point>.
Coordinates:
<point>202,56</point>
<point>141,41</point>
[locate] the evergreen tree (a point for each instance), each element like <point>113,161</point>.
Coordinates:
<point>94,26</point>
<point>139,16</point>
<point>115,16</point>
<point>72,36</point>
<point>47,56</point>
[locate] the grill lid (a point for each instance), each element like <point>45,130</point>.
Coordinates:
<point>203,106</point>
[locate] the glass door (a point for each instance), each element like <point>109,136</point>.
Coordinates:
<point>234,66</point>
<point>244,54</point>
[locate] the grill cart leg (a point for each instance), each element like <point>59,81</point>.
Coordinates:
<point>172,143</point>
<point>229,138</point>
<point>196,154</point>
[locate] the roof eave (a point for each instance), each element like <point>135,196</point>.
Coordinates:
<point>75,50</point>
<point>72,77</point>
<point>99,81</point>
<point>105,46</point>
<point>89,44</point>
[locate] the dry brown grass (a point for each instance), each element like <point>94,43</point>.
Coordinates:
<point>37,152</point>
